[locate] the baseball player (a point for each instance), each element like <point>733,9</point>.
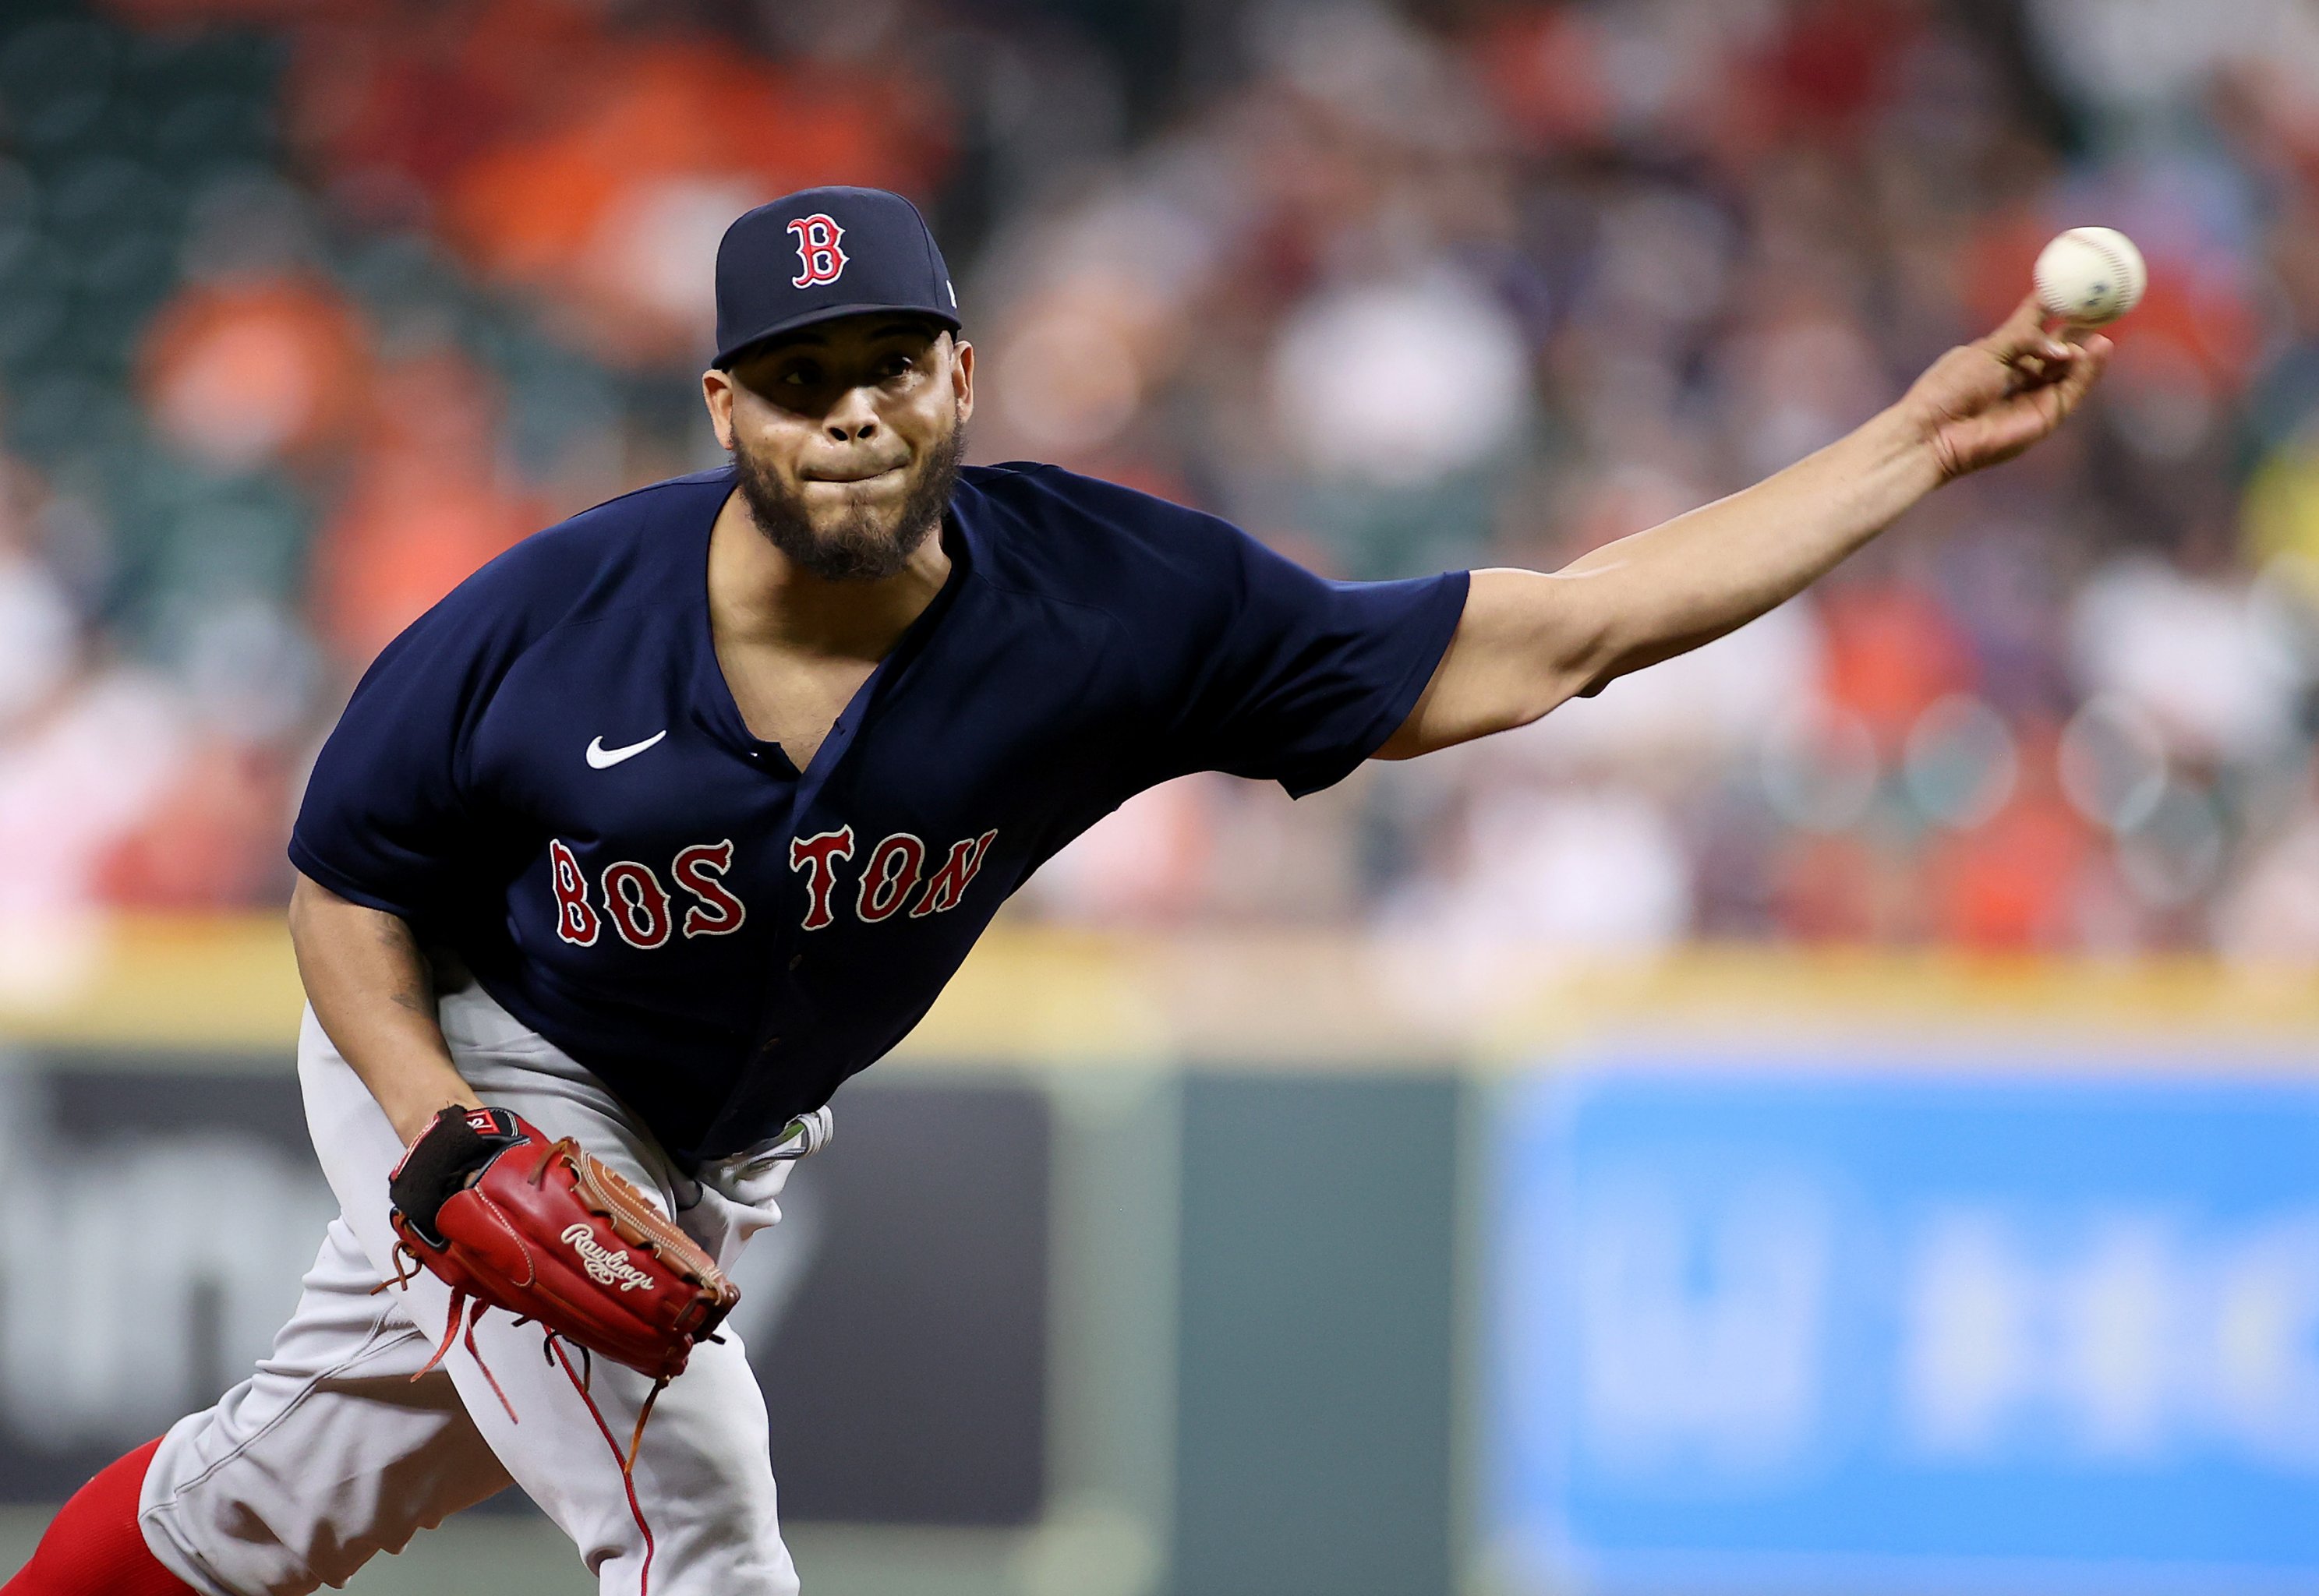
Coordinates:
<point>675,816</point>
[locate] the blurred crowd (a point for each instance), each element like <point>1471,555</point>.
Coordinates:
<point>308,307</point>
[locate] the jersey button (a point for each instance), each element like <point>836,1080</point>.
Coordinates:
<point>795,960</point>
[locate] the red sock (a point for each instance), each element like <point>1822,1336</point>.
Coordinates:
<point>93,1547</point>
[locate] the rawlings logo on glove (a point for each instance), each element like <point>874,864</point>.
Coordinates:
<point>603,1263</point>
<point>482,1201</point>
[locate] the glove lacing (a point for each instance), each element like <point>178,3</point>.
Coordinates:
<point>471,1308</point>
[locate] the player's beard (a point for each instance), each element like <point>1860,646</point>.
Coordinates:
<point>865,544</point>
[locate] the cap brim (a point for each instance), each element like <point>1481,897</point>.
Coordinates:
<point>740,346</point>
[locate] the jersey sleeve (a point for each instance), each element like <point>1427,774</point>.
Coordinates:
<point>388,820</point>
<point>1300,677</point>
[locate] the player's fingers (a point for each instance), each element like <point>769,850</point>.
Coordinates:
<point>2093,356</point>
<point>2022,337</point>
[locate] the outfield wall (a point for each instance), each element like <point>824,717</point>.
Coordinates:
<point>1230,1266</point>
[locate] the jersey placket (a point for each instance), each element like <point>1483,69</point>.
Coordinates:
<point>788,1012</point>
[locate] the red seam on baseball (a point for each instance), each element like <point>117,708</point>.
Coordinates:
<point>2117,264</point>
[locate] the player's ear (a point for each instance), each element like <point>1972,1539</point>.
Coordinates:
<point>962,375</point>
<point>716,391</point>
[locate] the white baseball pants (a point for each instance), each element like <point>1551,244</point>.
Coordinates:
<point>331,1453</point>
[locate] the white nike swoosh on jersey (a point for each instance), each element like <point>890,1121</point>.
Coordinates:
<point>601,758</point>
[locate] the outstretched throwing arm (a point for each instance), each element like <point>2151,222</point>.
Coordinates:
<point>1530,640</point>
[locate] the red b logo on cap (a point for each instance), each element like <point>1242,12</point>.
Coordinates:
<point>817,250</point>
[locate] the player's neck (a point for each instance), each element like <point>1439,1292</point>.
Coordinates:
<point>759,596</point>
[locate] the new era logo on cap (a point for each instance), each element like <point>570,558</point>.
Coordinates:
<point>823,253</point>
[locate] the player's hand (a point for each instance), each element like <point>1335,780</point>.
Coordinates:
<point>445,1159</point>
<point>1996,396</point>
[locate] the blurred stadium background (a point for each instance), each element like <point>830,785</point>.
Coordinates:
<point>1835,1110</point>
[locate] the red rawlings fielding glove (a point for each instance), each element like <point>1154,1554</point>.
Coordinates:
<point>509,1219</point>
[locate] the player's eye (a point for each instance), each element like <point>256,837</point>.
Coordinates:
<point>801,375</point>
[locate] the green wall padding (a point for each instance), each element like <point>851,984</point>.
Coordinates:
<point>1315,1336</point>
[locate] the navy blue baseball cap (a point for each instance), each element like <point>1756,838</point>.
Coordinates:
<point>822,253</point>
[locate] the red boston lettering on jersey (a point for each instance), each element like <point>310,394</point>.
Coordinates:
<point>637,903</point>
<point>949,883</point>
<point>817,250</point>
<point>889,875</point>
<point>575,922</point>
<point>700,871</point>
<point>817,856</point>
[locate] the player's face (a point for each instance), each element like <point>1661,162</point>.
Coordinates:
<point>847,438</point>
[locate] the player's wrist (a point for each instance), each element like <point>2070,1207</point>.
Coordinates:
<point>1905,441</point>
<point>414,1114</point>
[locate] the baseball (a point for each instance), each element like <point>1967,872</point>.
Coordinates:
<point>2090,275</point>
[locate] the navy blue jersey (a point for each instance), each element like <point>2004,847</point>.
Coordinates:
<point>548,776</point>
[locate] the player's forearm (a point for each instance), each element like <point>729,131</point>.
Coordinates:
<point>1526,641</point>
<point>1663,591</point>
<point>1530,640</point>
<point>372,990</point>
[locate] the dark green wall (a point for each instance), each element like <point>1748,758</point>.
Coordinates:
<point>1314,1339</point>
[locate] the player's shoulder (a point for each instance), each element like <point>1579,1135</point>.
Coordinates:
<point>1065,501</point>
<point>1055,531</point>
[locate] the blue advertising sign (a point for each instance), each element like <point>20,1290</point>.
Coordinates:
<point>1880,1328</point>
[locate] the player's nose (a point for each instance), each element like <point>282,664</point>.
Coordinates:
<point>854,419</point>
